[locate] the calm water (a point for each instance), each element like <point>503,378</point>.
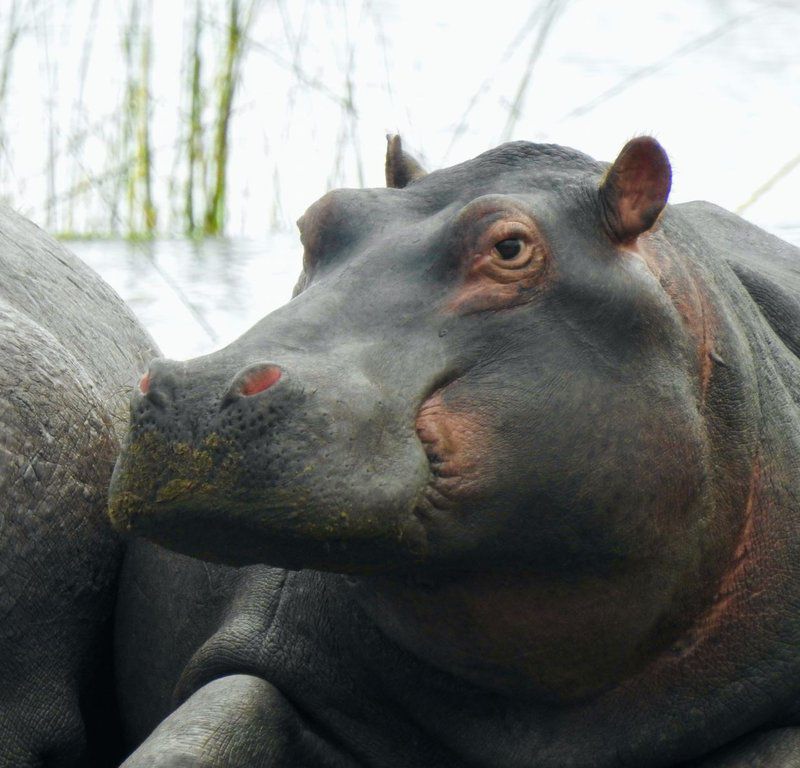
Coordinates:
<point>196,297</point>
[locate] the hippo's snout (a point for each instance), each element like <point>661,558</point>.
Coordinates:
<point>269,463</point>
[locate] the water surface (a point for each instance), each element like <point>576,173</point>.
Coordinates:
<point>192,296</point>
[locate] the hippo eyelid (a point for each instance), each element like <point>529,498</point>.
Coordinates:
<point>481,214</point>
<point>492,205</point>
<point>484,217</point>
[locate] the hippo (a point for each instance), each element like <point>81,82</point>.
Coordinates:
<point>512,481</point>
<point>71,351</point>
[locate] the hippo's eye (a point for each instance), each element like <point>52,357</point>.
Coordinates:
<point>511,253</point>
<point>509,249</point>
<point>506,259</point>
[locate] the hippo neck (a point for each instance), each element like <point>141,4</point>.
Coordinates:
<point>688,688</point>
<point>686,699</point>
<point>730,670</point>
<point>538,638</point>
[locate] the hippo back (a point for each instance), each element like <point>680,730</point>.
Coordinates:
<point>768,267</point>
<point>70,351</point>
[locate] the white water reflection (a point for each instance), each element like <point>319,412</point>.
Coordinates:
<point>195,297</point>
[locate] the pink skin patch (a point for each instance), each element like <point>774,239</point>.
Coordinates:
<point>260,380</point>
<point>456,444</point>
<point>144,383</point>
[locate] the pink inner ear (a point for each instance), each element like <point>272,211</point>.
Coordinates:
<point>636,188</point>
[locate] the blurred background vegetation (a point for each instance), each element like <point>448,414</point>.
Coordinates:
<point>200,117</point>
<point>99,168</point>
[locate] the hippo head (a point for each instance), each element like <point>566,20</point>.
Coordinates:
<point>491,380</point>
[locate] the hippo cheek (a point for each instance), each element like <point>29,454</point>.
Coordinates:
<point>458,441</point>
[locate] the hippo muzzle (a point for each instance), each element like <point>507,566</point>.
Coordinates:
<point>226,460</point>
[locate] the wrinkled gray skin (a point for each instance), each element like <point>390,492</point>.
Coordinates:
<point>69,352</point>
<point>502,508</point>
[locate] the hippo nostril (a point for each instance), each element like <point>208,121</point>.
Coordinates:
<point>259,379</point>
<point>253,380</point>
<point>156,388</point>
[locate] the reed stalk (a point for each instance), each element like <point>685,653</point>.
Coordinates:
<point>135,143</point>
<point>239,23</point>
<point>194,143</point>
<point>7,57</point>
<point>144,154</point>
<point>76,144</point>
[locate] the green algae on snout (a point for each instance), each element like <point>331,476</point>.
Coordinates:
<point>154,473</point>
<point>122,507</point>
<point>176,489</point>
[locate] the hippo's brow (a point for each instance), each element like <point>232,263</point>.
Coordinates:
<point>303,228</point>
<point>312,223</point>
<point>491,205</point>
<point>318,216</point>
<point>324,208</point>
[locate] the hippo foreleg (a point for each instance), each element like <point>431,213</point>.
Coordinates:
<point>778,748</point>
<point>239,721</point>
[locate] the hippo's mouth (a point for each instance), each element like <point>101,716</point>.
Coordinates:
<point>155,475</point>
<point>450,438</point>
<point>203,500</point>
<point>185,496</point>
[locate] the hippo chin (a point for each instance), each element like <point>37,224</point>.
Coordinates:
<point>514,476</point>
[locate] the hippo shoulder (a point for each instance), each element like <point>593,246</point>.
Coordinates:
<point>766,266</point>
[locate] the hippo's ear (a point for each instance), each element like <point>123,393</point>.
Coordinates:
<point>401,169</point>
<point>634,191</point>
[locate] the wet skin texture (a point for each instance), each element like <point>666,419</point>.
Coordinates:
<point>69,353</point>
<point>512,481</point>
